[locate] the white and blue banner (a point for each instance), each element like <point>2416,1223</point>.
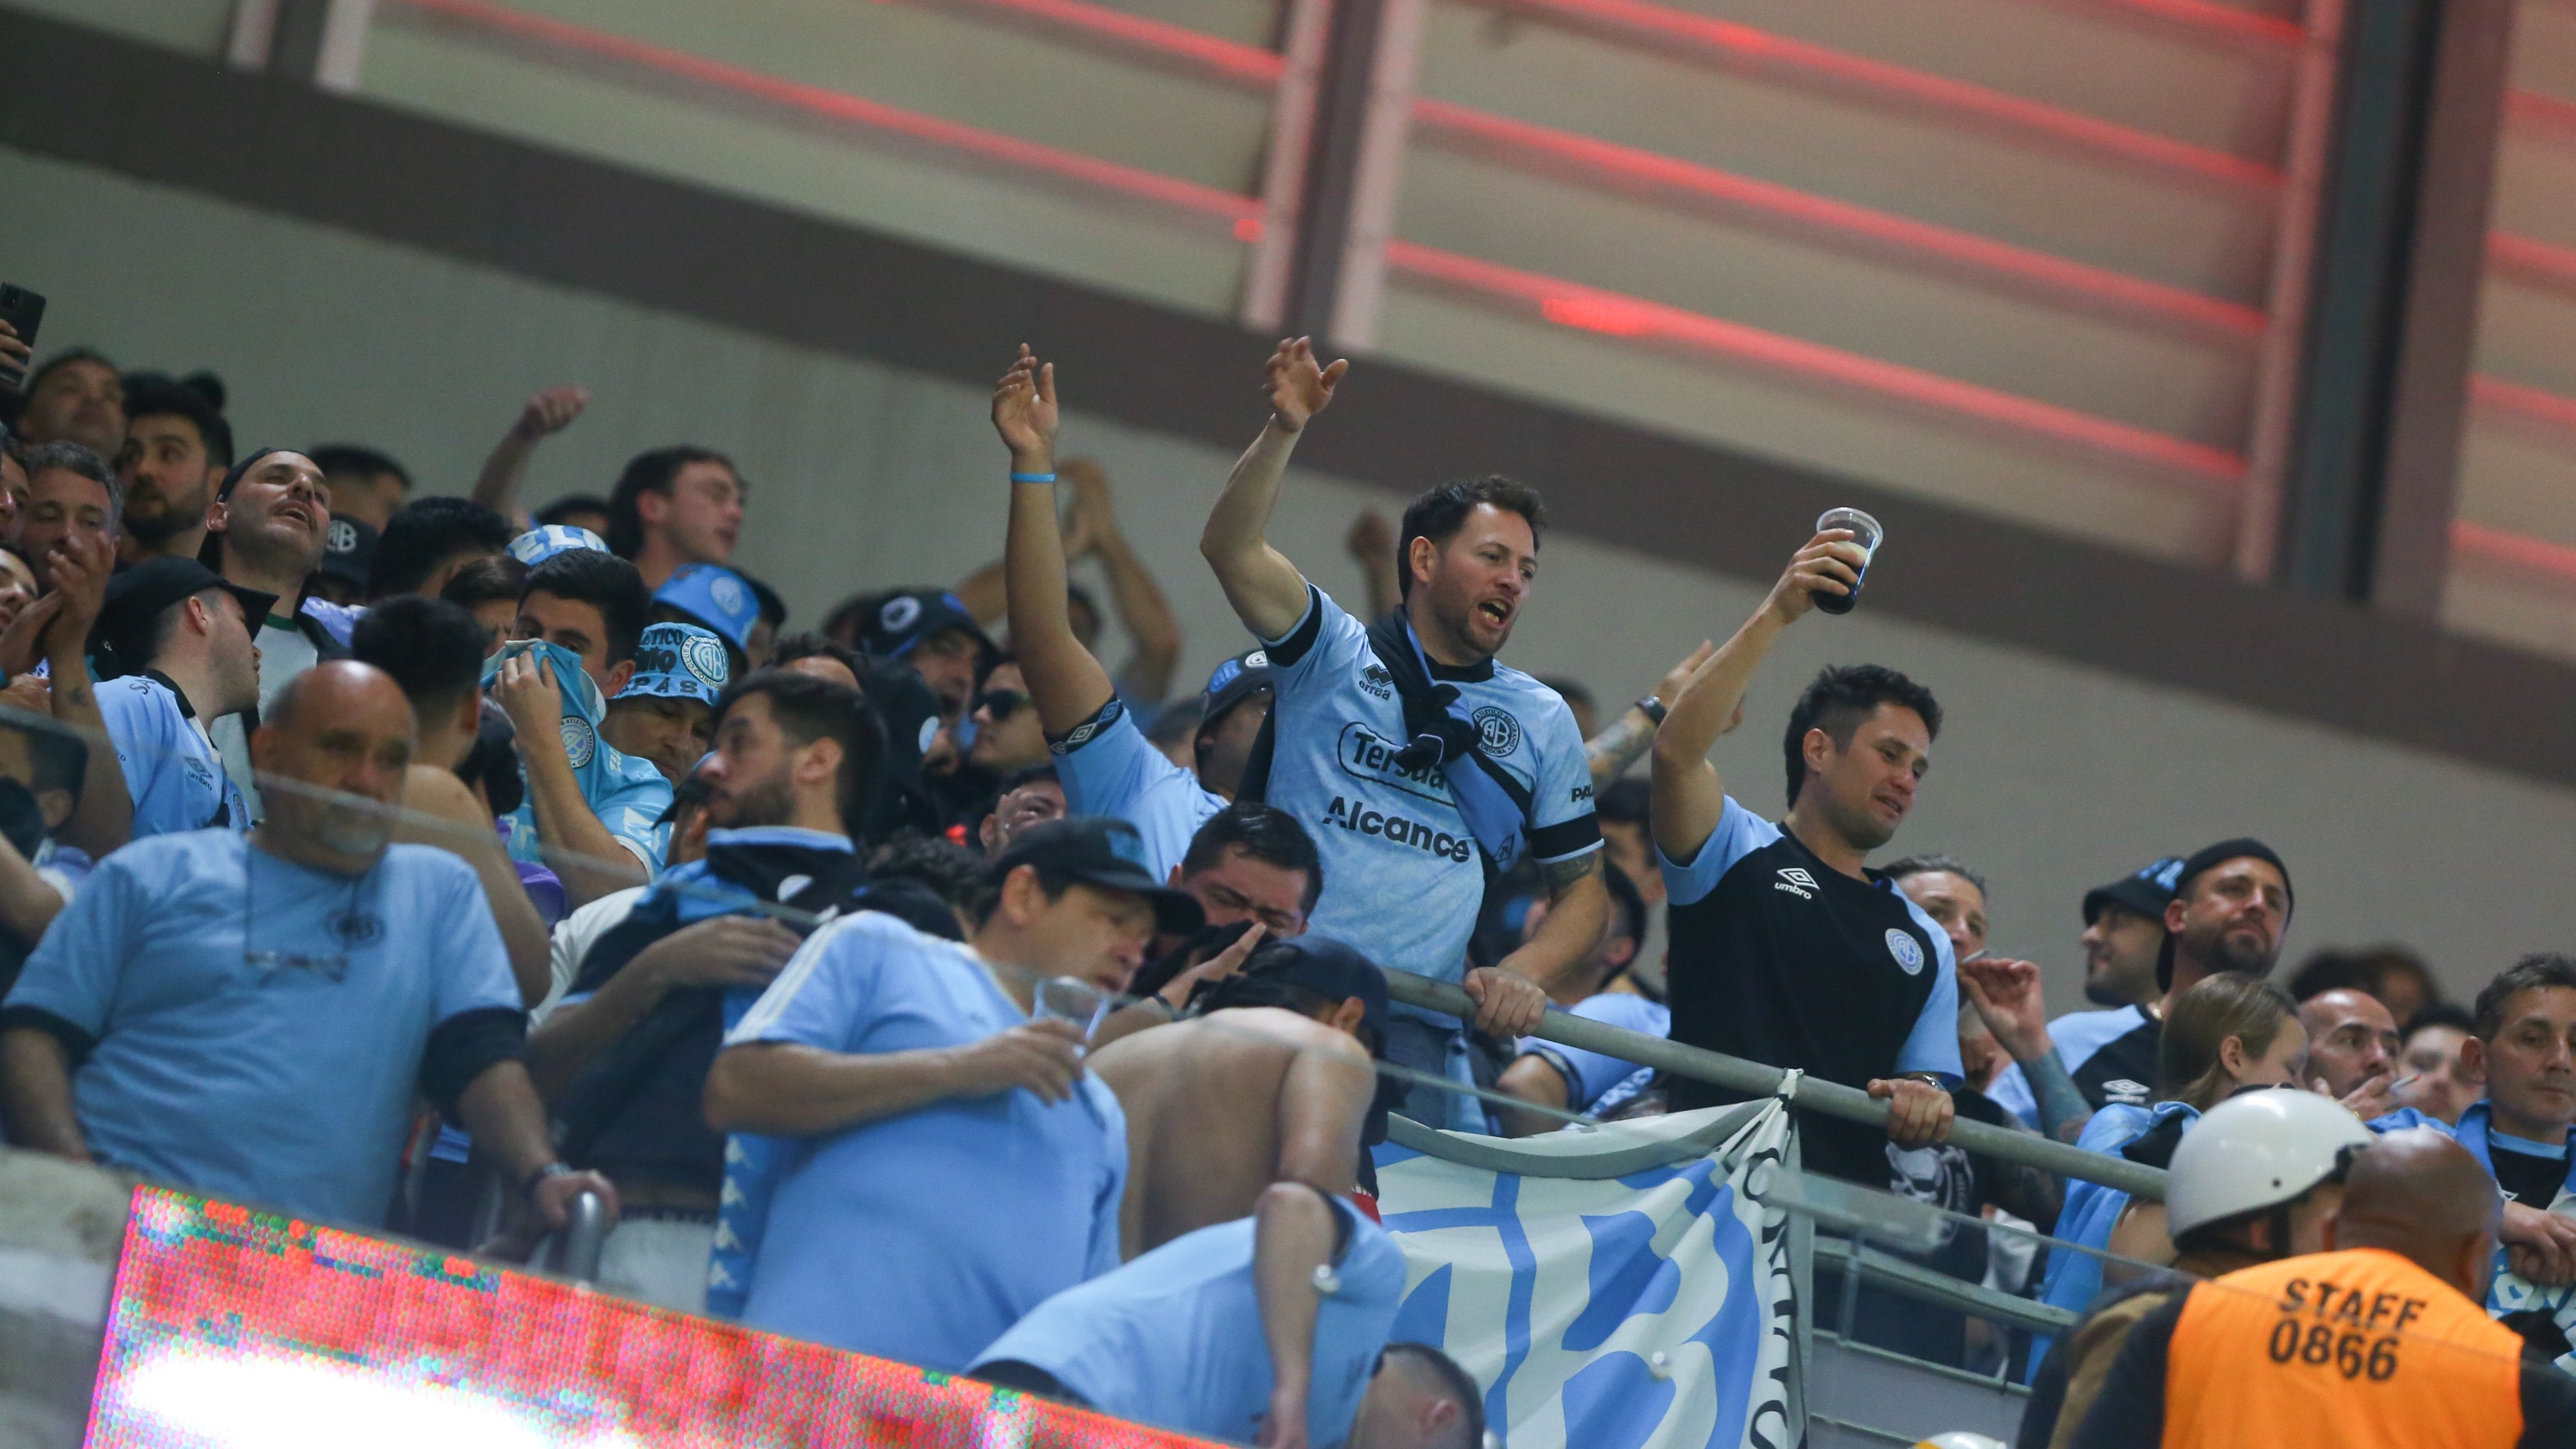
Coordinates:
<point>1612,1289</point>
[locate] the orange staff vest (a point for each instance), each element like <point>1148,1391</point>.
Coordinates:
<point>2352,1350</point>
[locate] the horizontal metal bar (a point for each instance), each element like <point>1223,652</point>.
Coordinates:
<point>1684,35</point>
<point>1814,1094</point>
<point>1927,1286</point>
<point>2523,403</point>
<point>2517,550</point>
<point>1792,359</point>
<point>1116,33</point>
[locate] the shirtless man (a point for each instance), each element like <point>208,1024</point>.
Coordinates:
<point>1271,1084</point>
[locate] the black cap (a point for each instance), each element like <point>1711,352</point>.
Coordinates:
<point>2208,858</point>
<point>1233,682</point>
<point>2143,891</point>
<point>900,621</point>
<point>122,637</point>
<point>348,550</point>
<point>1097,850</point>
<point>1329,969</point>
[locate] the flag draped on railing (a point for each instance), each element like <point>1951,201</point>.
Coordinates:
<point>1604,1302</point>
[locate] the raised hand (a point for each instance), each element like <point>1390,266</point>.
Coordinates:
<point>1215,968</point>
<point>2007,995</point>
<point>1024,413</point>
<point>527,692</point>
<point>1918,1112</point>
<point>14,357</point>
<point>1299,387</point>
<point>82,565</point>
<point>1830,563</point>
<point>1507,1006</point>
<point>550,411</point>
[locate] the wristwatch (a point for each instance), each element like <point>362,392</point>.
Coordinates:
<point>1652,708</point>
<point>556,1168</point>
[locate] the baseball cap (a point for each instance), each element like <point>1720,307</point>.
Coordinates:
<point>539,544</point>
<point>902,620</point>
<point>1233,682</point>
<point>348,549</point>
<point>717,597</point>
<point>2208,858</point>
<point>679,661</point>
<point>2143,891</point>
<point>1110,854</point>
<point>1326,967</point>
<point>122,637</point>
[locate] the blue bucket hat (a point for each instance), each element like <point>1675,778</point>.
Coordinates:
<point>539,544</point>
<point>716,597</point>
<point>679,661</point>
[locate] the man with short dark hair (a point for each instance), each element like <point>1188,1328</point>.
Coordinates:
<point>930,632</point>
<point>71,493</point>
<point>2230,908</point>
<point>2524,1133</point>
<point>593,606</point>
<point>252,1016</point>
<point>76,396</point>
<point>576,510</point>
<point>420,548</point>
<point>2352,1050</point>
<point>589,804</point>
<point>674,506</point>
<point>365,484</point>
<point>265,532</point>
<point>1288,1311</point>
<point>177,447</point>
<point>911,1066</point>
<point>175,645</point>
<point>1030,796</point>
<point>1008,736</point>
<point>2443,1087</point>
<point>624,1057</point>
<point>1786,949</point>
<point>1403,746</point>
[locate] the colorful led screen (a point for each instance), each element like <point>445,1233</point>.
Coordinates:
<point>238,1328</point>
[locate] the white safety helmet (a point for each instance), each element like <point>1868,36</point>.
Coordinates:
<point>2257,1151</point>
<point>1960,1439</point>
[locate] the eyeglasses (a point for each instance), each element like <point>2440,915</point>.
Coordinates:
<point>1001,703</point>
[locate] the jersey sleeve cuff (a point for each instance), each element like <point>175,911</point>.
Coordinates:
<point>1566,839</point>
<point>465,1046</point>
<point>1290,647</point>
<point>1090,729</point>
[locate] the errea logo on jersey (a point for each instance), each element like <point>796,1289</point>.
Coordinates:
<point>1796,882</point>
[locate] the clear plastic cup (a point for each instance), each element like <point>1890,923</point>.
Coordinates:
<point>1062,998</point>
<point>1866,531</point>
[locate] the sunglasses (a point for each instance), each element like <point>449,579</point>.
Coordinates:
<point>1001,703</point>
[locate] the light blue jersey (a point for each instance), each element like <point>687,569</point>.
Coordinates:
<point>176,779</point>
<point>1402,880</point>
<point>1174,1338</point>
<point>627,794</point>
<point>1109,768</point>
<point>256,1028</point>
<point>922,1236</point>
<point>1594,1082</point>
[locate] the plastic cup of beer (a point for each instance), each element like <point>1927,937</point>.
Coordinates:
<point>1865,531</point>
<point>1062,998</point>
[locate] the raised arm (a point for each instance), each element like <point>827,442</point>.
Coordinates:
<point>104,818</point>
<point>582,851</point>
<point>546,414</point>
<point>1142,610</point>
<point>1293,1235</point>
<point>1609,754</point>
<point>36,1094</point>
<point>1267,592</point>
<point>1064,679</point>
<point>1688,797</point>
<point>438,810</point>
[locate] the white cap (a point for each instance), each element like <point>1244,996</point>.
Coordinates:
<point>2256,1151</point>
<point>1960,1439</point>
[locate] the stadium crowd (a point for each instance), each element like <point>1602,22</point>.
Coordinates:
<point>925,986</point>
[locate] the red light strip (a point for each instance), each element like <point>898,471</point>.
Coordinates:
<point>2520,403</point>
<point>1131,37</point>
<point>1741,47</point>
<point>2527,260</point>
<point>2203,17</point>
<point>1241,214</point>
<point>1612,314</point>
<point>2520,550</point>
<point>2540,110</point>
<point>1585,160</point>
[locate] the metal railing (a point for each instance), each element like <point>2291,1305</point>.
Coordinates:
<point>1811,1094</point>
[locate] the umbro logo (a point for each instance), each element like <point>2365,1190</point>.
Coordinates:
<point>2123,1090</point>
<point>1796,882</point>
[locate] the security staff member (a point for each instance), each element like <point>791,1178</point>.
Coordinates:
<point>2378,1343</point>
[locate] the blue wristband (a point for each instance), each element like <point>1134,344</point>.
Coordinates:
<point>1032,477</point>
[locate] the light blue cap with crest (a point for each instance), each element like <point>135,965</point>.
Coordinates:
<point>539,544</point>
<point>716,597</point>
<point>679,661</point>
